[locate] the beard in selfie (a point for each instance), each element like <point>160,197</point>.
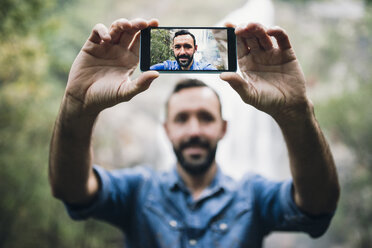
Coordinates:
<point>184,60</point>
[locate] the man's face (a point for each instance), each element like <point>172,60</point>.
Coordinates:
<point>194,126</point>
<point>184,49</point>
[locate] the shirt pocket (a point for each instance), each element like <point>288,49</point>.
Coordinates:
<point>230,229</point>
<point>162,224</point>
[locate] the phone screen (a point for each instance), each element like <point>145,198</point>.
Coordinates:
<point>188,49</point>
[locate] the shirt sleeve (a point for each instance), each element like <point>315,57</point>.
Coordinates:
<point>280,213</point>
<point>209,67</point>
<point>115,199</point>
<point>160,66</point>
<point>166,65</point>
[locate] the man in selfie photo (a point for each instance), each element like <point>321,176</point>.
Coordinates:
<point>194,204</point>
<point>184,47</point>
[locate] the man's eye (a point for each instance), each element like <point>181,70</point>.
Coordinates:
<point>188,46</point>
<point>177,47</point>
<point>206,117</point>
<point>181,118</point>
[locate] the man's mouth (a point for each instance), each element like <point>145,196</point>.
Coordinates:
<point>194,152</point>
<point>194,147</point>
<point>183,60</point>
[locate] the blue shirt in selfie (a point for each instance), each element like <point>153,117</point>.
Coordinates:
<point>174,66</point>
<point>155,209</point>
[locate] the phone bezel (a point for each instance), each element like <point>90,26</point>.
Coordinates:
<point>145,50</point>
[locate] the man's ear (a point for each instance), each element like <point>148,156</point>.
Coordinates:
<point>165,126</point>
<point>196,47</point>
<point>224,128</point>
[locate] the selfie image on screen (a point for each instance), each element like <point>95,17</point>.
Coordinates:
<point>188,49</point>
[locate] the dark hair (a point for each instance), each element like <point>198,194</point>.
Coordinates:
<point>184,32</point>
<point>187,83</point>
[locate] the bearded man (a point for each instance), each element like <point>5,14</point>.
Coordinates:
<point>195,204</point>
<point>184,48</point>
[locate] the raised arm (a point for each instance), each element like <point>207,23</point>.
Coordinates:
<point>99,78</point>
<point>273,82</point>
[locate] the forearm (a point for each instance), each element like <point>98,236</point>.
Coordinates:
<point>316,187</point>
<point>70,160</point>
<point>275,84</point>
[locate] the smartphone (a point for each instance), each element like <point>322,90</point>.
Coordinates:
<point>188,49</point>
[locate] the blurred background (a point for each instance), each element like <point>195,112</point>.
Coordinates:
<point>39,40</point>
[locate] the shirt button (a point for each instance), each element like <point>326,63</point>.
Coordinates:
<point>173,223</point>
<point>223,226</point>
<point>193,242</point>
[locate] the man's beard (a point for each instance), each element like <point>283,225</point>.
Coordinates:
<point>187,63</point>
<point>196,167</point>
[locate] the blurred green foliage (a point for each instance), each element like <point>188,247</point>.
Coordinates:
<point>17,16</point>
<point>34,65</point>
<point>161,46</point>
<point>347,117</point>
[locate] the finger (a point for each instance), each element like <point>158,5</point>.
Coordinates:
<point>256,37</point>
<point>153,23</point>
<point>242,47</point>
<point>128,35</point>
<point>99,33</point>
<point>117,28</point>
<point>143,82</point>
<point>145,79</point>
<point>241,86</point>
<point>281,37</point>
<point>247,39</point>
<point>234,79</point>
<point>135,45</point>
<point>229,25</point>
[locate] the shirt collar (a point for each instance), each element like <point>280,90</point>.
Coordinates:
<point>220,181</point>
<point>194,65</point>
<point>173,180</point>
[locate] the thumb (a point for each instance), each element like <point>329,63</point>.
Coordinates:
<point>234,79</point>
<point>241,86</point>
<point>144,81</point>
<point>138,85</point>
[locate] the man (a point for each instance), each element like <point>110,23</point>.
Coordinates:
<point>195,204</point>
<point>184,48</point>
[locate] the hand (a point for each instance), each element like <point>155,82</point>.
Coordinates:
<point>273,80</point>
<point>100,75</point>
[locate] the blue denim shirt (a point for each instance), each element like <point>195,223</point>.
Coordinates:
<point>173,65</point>
<point>155,209</point>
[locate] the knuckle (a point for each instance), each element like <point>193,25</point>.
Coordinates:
<point>98,26</point>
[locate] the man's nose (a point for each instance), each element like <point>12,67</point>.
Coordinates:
<point>182,50</point>
<point>194,127</point>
